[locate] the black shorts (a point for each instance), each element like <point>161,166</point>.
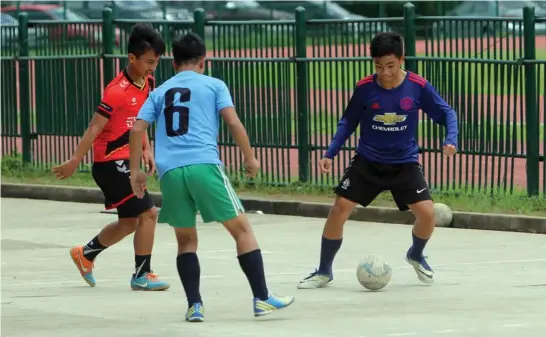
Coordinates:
<point>363,180</point>
<point>114,180</point>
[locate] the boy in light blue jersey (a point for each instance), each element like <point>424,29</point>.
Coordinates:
<point>187,108</point>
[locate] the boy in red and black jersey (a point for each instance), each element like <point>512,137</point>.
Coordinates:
<point>108,134</point>
<point>120,104</point>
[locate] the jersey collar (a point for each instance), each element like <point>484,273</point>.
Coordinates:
<point>126,74</point>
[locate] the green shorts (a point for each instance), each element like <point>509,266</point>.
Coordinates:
<point>201,187</point>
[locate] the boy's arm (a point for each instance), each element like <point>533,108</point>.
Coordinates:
<point>347,124</point>
<point>138,137</point>
<point>101,116</point>
<point>104,112</point>
<point>440,112</point>
<point>226,109</point>
<point>136,144</point>
<point>147,145</point>
<point>146,142</point>
<point>237,131</point>
<point>95,127</point>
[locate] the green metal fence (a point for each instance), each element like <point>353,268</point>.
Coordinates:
<point>290,81</point>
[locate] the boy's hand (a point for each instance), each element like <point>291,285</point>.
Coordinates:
<point>252,167</point>
<point>149,162</point>
<point>66,169</point>
<point>138,183</point>
<point>449,150</point>
<point>325,165</point>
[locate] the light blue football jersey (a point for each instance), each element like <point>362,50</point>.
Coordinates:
<point>187,110</point>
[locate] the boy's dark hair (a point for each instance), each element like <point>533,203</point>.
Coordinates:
<point>145,37</point>
<point>188,49</point>
<point>388,43</point>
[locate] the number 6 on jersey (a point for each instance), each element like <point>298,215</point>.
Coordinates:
<point>182,111</point>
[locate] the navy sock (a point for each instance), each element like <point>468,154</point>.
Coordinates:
<point>252,265</point>
<point>328,251</point>
<point>93,248</point>
<point>190,274</point>
<point>416,252</point>
<point>142,264</point>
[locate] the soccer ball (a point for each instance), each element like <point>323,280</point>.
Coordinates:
<point>373,272</point>
<point>442,214</point>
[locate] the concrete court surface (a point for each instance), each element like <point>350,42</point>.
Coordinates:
<point>488,283</point>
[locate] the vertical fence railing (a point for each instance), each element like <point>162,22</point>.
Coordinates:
<point>539,65</point>
<point>24,82</point>
<point>302,97</point>
<point>532,123</point>
<point>291,80</point>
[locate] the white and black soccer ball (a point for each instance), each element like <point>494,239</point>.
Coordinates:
<point>442,214</point>
<point>373,272</point>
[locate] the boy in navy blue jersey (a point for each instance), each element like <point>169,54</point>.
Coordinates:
<point>386,105</point>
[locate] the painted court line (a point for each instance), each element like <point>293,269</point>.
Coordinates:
<point>215,276</point>
<point>458,264</point>
<point>512,325</point>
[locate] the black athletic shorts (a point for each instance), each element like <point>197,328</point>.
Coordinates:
<point>363,180</point>
<point>113,178</point>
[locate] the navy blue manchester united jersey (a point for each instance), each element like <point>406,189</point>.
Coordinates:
<point>389,119</point>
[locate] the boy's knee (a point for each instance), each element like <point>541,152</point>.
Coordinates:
<point>342,207</point>
<point>238,226</point>
<point>150,214</point>
<point>128,225</point>
<point>423,212</point>
<point>186,239</point>
<point>148,218</point>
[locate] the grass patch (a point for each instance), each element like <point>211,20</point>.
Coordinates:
<point>518,203</point>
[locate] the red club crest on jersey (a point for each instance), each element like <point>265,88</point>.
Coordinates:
<point>406,103</point>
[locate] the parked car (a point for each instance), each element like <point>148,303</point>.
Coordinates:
<point>124,9</point>
<point>234,10</point>
<point>9,37</point>
<point>490,8</point>
<point>321,9</point>
<point>314,9</point>
<point>89,32</point>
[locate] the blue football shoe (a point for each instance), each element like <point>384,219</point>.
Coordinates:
<point>273,303</point>
<point>148,282</point>
<point>196,313</point>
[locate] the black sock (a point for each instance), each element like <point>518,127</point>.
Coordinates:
<point>142,264</point>
<point>416,252</point>
<point>190,274</point>
<point>328,251</point>
<point>252,265</point>
<point>93,248</point>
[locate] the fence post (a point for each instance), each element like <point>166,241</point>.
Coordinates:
<point>409,36</point>
<point>108,34</point>
<point>301,96</point>
<point>24,89</point>
<point>199,22</point>
<point>531,115</point>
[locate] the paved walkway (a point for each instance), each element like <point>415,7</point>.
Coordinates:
<point>488,283</point>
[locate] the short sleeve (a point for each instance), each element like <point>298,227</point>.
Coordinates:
<point>223,97</point>
<point>149,110</point>
<point>108,105</point>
